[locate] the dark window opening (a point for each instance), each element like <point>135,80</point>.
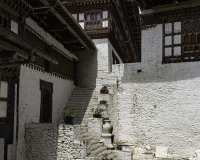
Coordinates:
<point>5,22</point>
<point>115,59</point>
<point>46,102</point>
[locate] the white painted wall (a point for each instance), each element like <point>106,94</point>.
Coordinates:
<point>110,49</point>
<point>30,98</point>
<point>93,64</point>
<point>102,56</point>
<point>87,69</point>
<point>160,105</point>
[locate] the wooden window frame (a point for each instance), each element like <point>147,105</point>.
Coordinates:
<point>93,21</point>
<point>44,85</point>
<point>184,57</point>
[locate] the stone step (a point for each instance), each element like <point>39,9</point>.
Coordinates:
<point>75,103</point>
<point>74,99</point>
<point>81,93</point>
<point>82,111</point>
<point>109,154</point>
<point>95,146</point>
<point>99,150</point>
<point>93,158</point>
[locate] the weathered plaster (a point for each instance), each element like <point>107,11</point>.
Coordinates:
<point>52,141</point>
<point>87,69</point>
<point>30,98</point>
<point>158,106</point>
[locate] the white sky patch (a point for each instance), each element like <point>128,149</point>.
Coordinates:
<point>139,10</point>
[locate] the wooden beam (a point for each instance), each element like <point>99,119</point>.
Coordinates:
<point>10,47</point>
<point>73,41</point>
<point>62,20</point>
<point>53,29</point>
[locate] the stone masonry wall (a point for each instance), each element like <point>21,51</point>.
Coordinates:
<point>30,100</point>
<point>87,69</point>
<point>53,142</point>
<point>158,106</point>
<point>93,64</point>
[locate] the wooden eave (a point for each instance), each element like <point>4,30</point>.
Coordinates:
<point>148,4</point>
<point>19,8</point>
<point>176,6</point>
<point>60,24</point>
<point>85,2</point>
<point>131,11</point>
<point>81,6</point>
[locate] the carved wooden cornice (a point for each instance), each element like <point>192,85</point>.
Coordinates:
<point>18,9</point>
<point>176,6</point>
<point>83,3</point>
<point>98,33</point>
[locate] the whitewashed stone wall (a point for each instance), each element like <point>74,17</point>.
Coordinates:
<point>102,56</point>
<point>110,50</point>
<point>158,106</point>
<point>1,149</point>
<point>93,64</point>
<point>30,99</point>
<point>55,142</point>
<point>87,69</point>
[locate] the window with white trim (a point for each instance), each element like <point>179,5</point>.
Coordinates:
<point>181,41</point>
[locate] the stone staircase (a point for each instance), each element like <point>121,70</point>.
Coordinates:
<point>83,101</point>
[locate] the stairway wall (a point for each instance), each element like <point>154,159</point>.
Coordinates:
<point>55,142</point>
<point>87,69</point>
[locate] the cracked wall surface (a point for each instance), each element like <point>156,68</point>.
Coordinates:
<point>158,106</point>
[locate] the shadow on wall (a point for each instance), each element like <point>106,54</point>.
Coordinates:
<point>87,69</point>
<point>155,72</point>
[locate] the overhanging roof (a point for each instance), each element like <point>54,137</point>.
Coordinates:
<point>131,11</point>
<point>56,20</point>
<point>147,4</point>
<point>9,37</point>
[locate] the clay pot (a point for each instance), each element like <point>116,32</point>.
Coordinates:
<point>69,120</point>
<point>97,115</point>
<point>107,127</point>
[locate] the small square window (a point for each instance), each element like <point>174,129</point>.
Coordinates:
<point>168,40</point>
<point>177,39</point>
<point>168,51</point>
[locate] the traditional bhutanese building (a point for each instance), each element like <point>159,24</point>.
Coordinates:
<point>56,54</point>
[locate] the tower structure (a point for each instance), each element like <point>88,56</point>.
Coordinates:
<point>110,19</point>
